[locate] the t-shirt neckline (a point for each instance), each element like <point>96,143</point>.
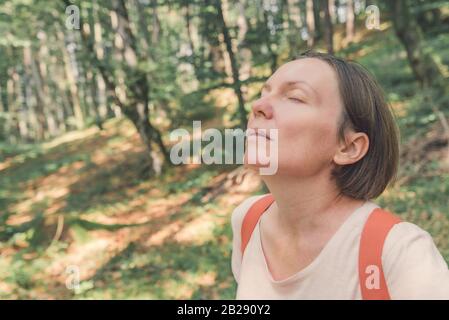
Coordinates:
<point>309,268</point>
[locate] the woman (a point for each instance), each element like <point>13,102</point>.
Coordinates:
<point>337,150</point>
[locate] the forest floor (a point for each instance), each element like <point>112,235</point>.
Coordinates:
<point>81,203</point>
<point>130,236</point>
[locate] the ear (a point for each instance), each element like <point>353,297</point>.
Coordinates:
<point>352,148</point>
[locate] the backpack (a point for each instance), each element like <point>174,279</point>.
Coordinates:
<point>374,233</point>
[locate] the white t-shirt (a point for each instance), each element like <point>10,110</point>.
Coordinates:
<point>413,266</point>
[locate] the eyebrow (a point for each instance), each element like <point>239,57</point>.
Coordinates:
<point>267,86</point>
<point>292,83</point>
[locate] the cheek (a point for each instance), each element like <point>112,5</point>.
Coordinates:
<point>308,143</point>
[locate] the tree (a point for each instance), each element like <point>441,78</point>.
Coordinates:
<point>350,19</point>
<point>424,67</point>
<point>133,94</point>
<point>410,34</point>
<point>328,27</point>
<point>234,67</point>
<point>310,18</point>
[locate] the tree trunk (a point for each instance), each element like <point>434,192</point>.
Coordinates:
<point>409,33</point>
<point>272,54</point>
<point>245,52</point>
<point>71,79</point>
<point>156,25</point>
<point>316,15</point>
<point>310,20</point>
<point>328,28</point>
<point>294,25</point>
<point>4,94</point>
<point>22,114</point>
<point>422,63</point>
<point>136,107</point>
<point>234,67</point>
<point>141,88</point>
<point>144,33</point>
<point>12,125</point>
<point>188,18</point>
<point>332,5</point>
<point>350,31</point>
<point>53,109</point>
<point>38,117</point>
<point>132,96</point>
<point>104,108</point>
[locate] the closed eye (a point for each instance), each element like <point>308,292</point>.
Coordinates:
<point>296,99</point>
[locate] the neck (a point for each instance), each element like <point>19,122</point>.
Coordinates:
<point>305,205</point>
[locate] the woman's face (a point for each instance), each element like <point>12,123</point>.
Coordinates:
<point>301,100</point>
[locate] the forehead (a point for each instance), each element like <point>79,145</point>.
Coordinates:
<point>316,73</point>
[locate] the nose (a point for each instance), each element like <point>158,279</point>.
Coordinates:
<point>262,107</point>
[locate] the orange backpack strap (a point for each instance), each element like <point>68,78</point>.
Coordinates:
<point>252,217</point>
<point>371,276</point>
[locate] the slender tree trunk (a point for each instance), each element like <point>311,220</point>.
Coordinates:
<point>317,20</point>
<point>144,33</point>
<point>60,94</point>
<point>4,93</point>
<point>156,25</point>
<point>71,79</point>
<point>3,107</point>
<point>310,19</point>
<point>22,113</point>
<point>245,52</point>
<point>12,125</point>
<point>104,107</point>
<point>235,70</point>
<point>328,28</point>
<point>332,6</point>
<point>294,24</point>
<point>350,25</point>
<point>190,30</point>
<point>188,18</point>
<point>53,110</point>
<point>38,116</point>
<point>271,52</point>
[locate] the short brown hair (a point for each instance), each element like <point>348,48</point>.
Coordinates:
<point>365,109</point>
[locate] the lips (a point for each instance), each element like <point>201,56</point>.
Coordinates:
<point>257,133</point>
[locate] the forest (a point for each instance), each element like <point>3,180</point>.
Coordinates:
<point>92,206</point>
